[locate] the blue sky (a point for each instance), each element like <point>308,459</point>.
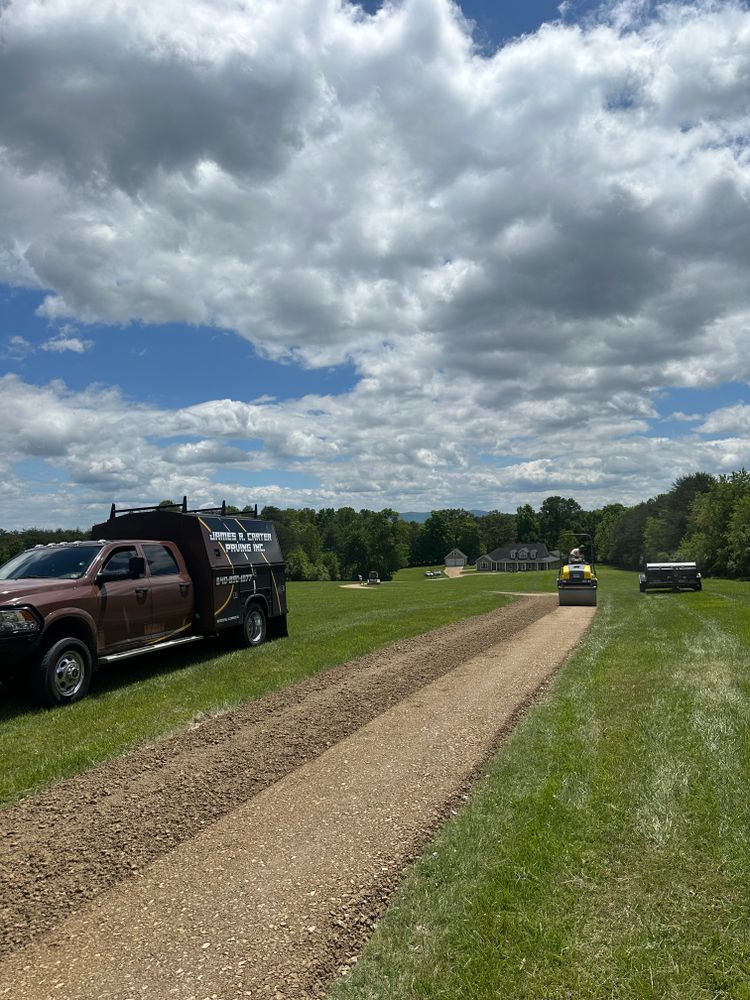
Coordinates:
<point>311,254</point>
<point>140,353</point>
<point>504,20</point>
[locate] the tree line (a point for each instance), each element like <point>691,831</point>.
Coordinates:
<point>13,542</point>
<point>702,517</point>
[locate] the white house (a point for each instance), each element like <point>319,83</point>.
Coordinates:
<point>517,558</point>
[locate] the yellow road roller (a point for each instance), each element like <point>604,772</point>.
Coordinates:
<point>576,581</point>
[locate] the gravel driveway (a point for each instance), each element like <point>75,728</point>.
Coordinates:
<point>250,855</point>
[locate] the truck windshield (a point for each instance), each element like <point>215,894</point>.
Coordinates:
<point>66,562</point>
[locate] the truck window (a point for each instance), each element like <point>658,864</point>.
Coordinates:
<point>160,560</point>
<point>64,562</point>
<point>119,560</point>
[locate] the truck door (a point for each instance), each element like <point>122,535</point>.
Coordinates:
<point>171,591</point>
<point>125,606</point>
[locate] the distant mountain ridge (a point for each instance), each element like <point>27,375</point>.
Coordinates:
<point>420,516</point>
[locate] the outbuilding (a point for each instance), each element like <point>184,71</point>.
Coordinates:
<point>456,558</point>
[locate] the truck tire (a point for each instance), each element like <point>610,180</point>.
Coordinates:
<point>255,626</point>
<point>63,674</point>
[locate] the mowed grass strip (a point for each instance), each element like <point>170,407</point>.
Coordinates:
<point>607,852</point>
<point>138,700</point>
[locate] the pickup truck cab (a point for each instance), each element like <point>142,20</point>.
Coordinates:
<point>67,607</point>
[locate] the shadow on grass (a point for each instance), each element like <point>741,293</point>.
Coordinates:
<point>668,592</point>
<point>13,700</point>
<point>16,699</point>
<point>120,674</point>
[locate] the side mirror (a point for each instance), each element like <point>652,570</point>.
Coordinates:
<point>137,567</point>
<point>111,575</point>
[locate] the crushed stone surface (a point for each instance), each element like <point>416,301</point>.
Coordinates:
<point>251,854</point>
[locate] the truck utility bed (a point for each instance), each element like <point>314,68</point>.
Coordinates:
<point>229,557</point>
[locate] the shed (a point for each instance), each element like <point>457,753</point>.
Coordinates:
<point>456,558</point>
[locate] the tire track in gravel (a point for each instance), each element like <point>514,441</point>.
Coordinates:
<point>64,847</point>
<point>272,898</point>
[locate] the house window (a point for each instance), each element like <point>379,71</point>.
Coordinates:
<point>513,553</point>
<point>533,553</point>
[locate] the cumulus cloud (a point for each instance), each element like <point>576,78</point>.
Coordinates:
<point>728,420</point>
<point>684,417</point>
<point>62,343</point>
<point>343,450</point>
<point>515,248</point>
<point>18,347</point>
<point>64,340</point>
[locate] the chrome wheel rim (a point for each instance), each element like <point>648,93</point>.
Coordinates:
<point>254,626</point>
<point>69,674</point>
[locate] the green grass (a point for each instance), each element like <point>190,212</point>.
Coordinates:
<point>533,582</point>
<point>607,852</point>
<point>139,700</point>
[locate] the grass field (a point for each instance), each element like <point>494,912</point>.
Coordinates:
<point>607,852</point>
<point>138,700</point>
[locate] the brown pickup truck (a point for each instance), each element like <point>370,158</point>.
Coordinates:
<point>151,578</point>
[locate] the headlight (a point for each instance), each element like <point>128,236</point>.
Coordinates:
<point>15,621</point>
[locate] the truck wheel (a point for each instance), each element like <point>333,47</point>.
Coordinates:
<point>64,672</point>
<point>254,626</point>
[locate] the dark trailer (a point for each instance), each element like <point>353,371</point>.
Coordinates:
<point>670,576</point>
<point>235,562</point>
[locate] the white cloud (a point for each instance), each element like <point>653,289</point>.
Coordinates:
<point>515,250</point>
<point>728,420</point>
<point>18,347</point>
<point>62,343</point>
<point>432,450</point>
<point>681,417</point>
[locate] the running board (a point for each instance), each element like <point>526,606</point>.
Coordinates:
<point>149,649</point>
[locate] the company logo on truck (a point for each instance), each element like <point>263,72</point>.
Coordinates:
<point>242,541</point>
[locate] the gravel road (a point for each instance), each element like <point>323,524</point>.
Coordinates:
<point>250,855</point>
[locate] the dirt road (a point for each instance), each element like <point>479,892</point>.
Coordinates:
<point>250,856</point>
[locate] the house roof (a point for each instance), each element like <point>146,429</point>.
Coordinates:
<point>510,553</point>
<point>456,552</point>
